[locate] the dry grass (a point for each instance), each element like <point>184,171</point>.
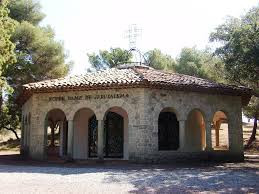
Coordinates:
<point>10,145</point>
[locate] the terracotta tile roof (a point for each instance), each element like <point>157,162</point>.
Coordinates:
<point>136,76</point>
<point>191,83</point>
<point>104,78</point>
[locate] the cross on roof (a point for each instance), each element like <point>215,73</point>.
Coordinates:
<point>132,34</point>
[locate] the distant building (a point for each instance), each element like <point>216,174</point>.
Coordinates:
<point>133,113</point>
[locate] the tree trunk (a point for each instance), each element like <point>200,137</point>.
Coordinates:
<point>15,133</point>
<point>252,137</point>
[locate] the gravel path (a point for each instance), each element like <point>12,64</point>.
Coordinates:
<point>136,179</point>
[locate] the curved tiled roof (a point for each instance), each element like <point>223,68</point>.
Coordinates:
<point>135,76</point>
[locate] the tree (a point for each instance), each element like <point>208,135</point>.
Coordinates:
<point>190,62</point>
<point>39,56</point>
<point>252,111</point>
<point>26,10</point>
<point>7,55</point>
<point>10,116</point>
<point>239,50</point>
<point>108,59</point>
<point>158,60</point>
<point>7,25</point>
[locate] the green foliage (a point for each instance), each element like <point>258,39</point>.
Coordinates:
<point>253,108</point>
<point>158,60</point>
<point>39,56</point>
<point>7,55</point>
<point>190,62</point>
<point>108,59</point>
<point>239,50</point>
<point>203,64</point>
<point>10,116</point>
<point>26,10</point>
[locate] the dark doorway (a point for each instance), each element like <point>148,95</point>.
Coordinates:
<point>168,131</point>
<point>113,135</point>
<point>92,137</point>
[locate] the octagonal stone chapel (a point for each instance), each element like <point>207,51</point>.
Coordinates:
<point>133,113</point>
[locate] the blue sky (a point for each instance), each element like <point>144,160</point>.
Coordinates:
<point>169,25</point>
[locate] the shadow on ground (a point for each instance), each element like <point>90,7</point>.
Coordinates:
<point>189,180</point>
<point>230,178</point>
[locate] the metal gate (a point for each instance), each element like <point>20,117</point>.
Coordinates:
<point>113,135</point>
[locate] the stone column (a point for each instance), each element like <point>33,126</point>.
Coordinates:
<point>208,136</point>
<point>100,138</point>
<point>45,141</point>
<point>70,140</point>
<point>182,135</point>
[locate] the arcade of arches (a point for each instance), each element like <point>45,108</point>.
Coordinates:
<point>133,112</point>
<point>109,138</point>
<point>136,127</point>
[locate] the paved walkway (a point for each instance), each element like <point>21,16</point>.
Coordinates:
<point>230,178</point>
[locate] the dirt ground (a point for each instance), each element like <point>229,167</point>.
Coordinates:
<point>30,176</point>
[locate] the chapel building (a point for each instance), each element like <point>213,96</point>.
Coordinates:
<point>133,113</point>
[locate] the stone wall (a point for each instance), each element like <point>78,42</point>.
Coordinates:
<point>183,103</point>
<point>143,107</point>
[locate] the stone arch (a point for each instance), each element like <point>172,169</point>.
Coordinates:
<point>55,126</point>
<point>116,132</point>
<point>204,113</point>
<point>161,107</point>
<point>220,130</point>
<point>225,111</point>
<point>46,112</point>
<point>119,103</point>
<point>168,130</point>
<point>195,130</point>
<point>82,149</point>
<point>79,106</point>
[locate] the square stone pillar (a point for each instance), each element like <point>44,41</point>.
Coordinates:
<point>70,140</point>
<point>45,141</point>
<point>100,139</point>
<point>208,136</point>
<point>182,135</point>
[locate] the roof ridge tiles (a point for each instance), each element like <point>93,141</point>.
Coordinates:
<point>135,77</point>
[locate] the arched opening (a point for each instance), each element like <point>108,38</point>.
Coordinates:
<point>168,130</point>
<point>92,137</point>
<point>56,132</point>
<point>116,133</point>
<point>85,134</point>
<point>195,131</point>
<point>219,133</point>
